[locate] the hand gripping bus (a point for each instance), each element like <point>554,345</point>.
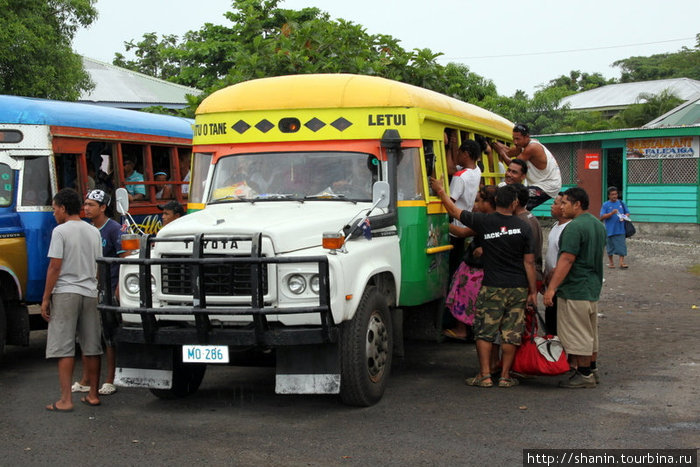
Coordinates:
<point>311,230</point>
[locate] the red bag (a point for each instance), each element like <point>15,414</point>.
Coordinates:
<point>542,356</point>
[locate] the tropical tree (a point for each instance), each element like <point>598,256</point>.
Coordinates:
<point>264,40</point>
<point>647,108</point>
<point>682,64</point>
<point>36,57</point>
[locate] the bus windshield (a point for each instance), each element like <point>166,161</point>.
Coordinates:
<point>295,175</point>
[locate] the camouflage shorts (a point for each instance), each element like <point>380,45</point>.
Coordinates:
<point>500,308</point>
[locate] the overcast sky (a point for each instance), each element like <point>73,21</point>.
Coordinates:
<point>516,44</point>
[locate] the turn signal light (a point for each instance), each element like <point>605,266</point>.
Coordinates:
<point>333,240</point>
<point>130,242</point>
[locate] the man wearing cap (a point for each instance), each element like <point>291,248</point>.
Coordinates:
<point>171,211</point>
<point>543,175</point>
<point>95,207</point>
<point>163,191</point>
<point>136,192</point>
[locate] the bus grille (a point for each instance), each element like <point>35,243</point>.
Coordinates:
<point>219,279</point>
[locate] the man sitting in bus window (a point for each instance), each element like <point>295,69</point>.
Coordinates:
<point>136,192</point>
<point>162,191</point>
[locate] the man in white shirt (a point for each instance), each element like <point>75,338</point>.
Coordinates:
<point>543,175</point>
<point>463,188</point>
<point>550,260</point>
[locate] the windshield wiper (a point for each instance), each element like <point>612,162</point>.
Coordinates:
<point>271,196</point>
<point>326,195</point>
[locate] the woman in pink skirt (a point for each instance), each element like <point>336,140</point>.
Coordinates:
<point>466,282</point>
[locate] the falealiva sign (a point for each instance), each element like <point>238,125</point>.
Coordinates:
<point>681,147</point>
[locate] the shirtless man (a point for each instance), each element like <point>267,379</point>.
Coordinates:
<point>543,176</point>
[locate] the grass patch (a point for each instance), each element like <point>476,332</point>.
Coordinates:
<point>694,269</point>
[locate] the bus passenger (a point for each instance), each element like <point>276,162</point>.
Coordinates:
<point>543,175</point>
<point>162,191</point>
<point>136,192</point>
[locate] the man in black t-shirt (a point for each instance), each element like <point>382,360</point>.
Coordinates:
<point>509,279</point>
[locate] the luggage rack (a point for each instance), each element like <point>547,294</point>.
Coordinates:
<point>260,332</point>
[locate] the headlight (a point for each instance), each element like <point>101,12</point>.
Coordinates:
<point>131,283</point>
<point>315,284</point>
<point>296,284</point>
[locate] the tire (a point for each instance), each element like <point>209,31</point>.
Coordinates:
<point>366,351</point>
<point>186,379</point>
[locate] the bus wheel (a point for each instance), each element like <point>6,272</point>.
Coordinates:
<point>186,379</point>
<point>3,328</point>
<point>367,346</point>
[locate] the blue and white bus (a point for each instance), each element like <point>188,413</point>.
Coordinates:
<point>49,145</point>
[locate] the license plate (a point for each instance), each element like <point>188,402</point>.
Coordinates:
<point>205,353</point>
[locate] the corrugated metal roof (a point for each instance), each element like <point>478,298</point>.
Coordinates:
<point>688,113</point>
<point>118,87</point>
<point>617,96</point>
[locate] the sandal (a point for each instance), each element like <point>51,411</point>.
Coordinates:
<point>611,266</point>
<point>507,382</point>
<point>479,381</point>
<point>623,266</point>
<point>450,334</point>
<point>107,389</point>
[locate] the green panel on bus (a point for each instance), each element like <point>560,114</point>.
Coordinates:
<point>423,275</point>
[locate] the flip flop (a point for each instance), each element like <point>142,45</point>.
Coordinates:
<point>479,381</point>
<point>624,266</point>
<point>85,401</point>
<point>611,266</point>
<point>449,333</point>
<point>53,408</point>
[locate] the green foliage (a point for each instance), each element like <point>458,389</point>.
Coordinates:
<point>579,82</point>
<point>36,57</point>
<point>653,106</point>
<point>682,64</point>
<point>264,41</point>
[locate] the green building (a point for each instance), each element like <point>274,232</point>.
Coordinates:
<point>655,169</point>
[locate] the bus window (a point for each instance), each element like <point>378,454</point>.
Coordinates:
<point>410,186</point>
<point>184,163</point>
<point>6,181</point>
<point>133,162</point>
<point>36,186</point>
<point>162,171</point>
<point>67,174</point>
<point>200,171</point>
<point>100,166</point>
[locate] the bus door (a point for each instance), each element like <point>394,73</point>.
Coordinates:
<point>422,224</point>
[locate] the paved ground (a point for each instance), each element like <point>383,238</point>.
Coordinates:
<point>648,398</point>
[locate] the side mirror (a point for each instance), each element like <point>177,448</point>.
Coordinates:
<point>122,201</point>
<point>380,194</point>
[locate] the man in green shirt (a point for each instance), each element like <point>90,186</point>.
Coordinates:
<point>577,280</point>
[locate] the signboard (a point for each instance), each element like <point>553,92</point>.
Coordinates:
<point>592,161</point>
<point>681,147</point>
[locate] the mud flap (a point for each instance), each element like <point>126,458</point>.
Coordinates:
<point>308,369</point>
<point>144,366</point>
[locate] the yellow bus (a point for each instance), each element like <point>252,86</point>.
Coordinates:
<point>315,227</point>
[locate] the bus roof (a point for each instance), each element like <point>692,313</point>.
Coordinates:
<point>318,91</point>
<point>33,111</point>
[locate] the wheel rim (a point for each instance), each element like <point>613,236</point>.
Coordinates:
<point>376,347</point>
